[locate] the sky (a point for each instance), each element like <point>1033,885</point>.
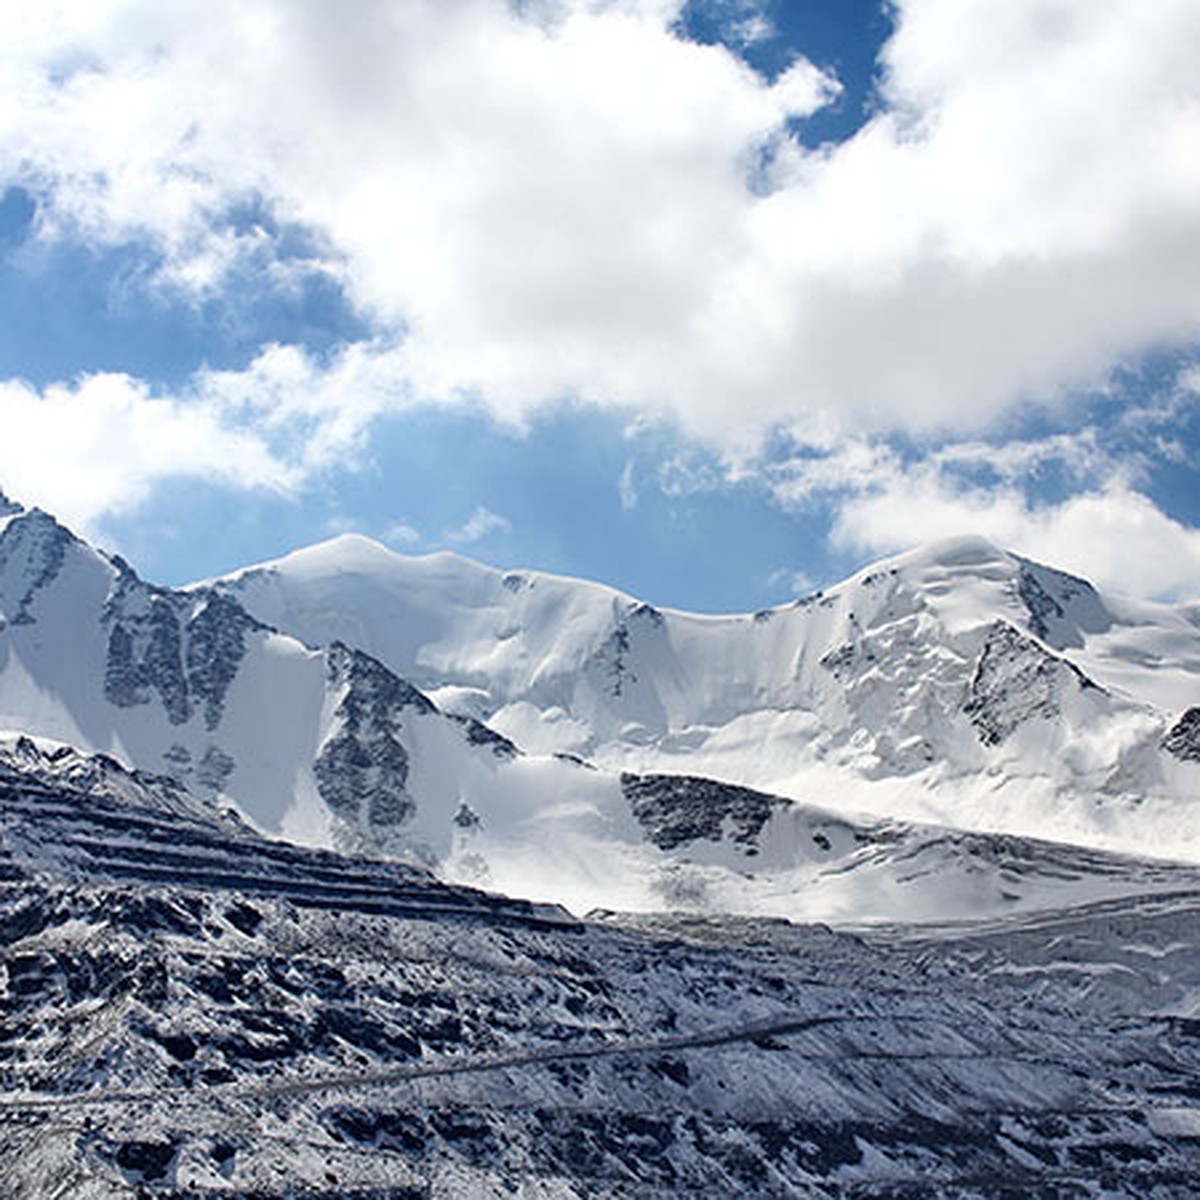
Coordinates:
<point>711,300</point>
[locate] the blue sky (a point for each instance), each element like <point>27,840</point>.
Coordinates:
<point>711,301</point>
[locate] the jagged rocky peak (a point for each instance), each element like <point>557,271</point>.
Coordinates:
<point>9,508</point>
<point>362,769</point>
<point>184,647</point>
<point>1062,608</point>
<point>1016,681</point>
<point>33,548</point>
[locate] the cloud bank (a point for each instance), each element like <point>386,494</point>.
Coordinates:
<point>567,200</point>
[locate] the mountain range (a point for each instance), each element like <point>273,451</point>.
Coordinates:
<point>555,739</point>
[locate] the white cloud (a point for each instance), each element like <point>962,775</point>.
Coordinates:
<point>1075,500</point>
<point>627,487</point>
<point>563,199</point>
<point>401,533</point>
<point>99,446</point>
<point>558,203</point>
<point>480,524</point>
<point>792,582</point>
<point>1114,535</point>
<point>316,412</point>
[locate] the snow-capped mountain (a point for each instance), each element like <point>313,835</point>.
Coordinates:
<point>944,682</point>
<point>958,684</point>
<point>188,1009</point>
<point>191,1008</point>
<point>322,745</point>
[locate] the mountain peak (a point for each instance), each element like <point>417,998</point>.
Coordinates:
<point>343,549</point>
<point>967,549</point>
<point>963,552</point>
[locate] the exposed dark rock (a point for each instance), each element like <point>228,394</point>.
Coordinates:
<point>1183,738</point>
<point>1040,604</point>
<point>365,761</point>
<point>178,759</point>
<point>33,548</point>
<point>677,809</point>
<point>1015,681</point>
<point>216,647</point>
<point>479,734</point>
<point>609,660</point>
<point>466,817</point>
<point>576,759</point>
<point>122,673</point>
<point>145,647</point>
<point>648,613</point>
<point>143,1161</point>
<point>162,666</point>
<point>159,641</point>
<point>214,768</point>
<point>838,660</point>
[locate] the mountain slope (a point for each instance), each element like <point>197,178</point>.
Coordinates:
<point>958,683</point>
<point>324,744</point>
<point>321,745</point>
<point>244,1018</point>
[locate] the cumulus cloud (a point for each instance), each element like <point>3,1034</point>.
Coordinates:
<point>1117,537</point>
<point>1077,499</point>
<point>1100,524</point>
<point>401,533</point>
<point>569,199</point>
<point>566,200</point>
<point>98,446</point>
<point>627,491</point>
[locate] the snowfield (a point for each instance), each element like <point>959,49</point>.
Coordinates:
<point>956,684</point>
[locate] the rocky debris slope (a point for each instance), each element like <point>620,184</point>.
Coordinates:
<point>213,1025</point>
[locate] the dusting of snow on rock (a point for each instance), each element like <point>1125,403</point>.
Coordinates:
<point>1183,738</point>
